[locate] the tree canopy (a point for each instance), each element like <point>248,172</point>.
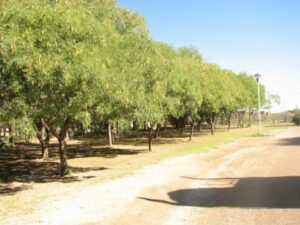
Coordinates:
<point>91,61</point>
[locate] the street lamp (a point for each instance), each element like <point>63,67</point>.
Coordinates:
<point>258,76</point>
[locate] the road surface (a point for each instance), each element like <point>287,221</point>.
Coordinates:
<point>253,181</point>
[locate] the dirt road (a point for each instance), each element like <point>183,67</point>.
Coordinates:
<point>252,181</point>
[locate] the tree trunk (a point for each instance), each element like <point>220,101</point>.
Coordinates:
<point>239,120</point>
<point>229,122</point>
<point>212,125</point>
<point>1,144</point>
<point>42,143</point>
<point>165,125</point>
<point>135,125</point>
<point>199,124</point>
<point>182,124</point>
<point>44,136</point>
<point>109,134</point>
<point>157,130</point>
<point>45,153</point>
<point>150,138</point>
<point>63,169</point>
<point>249,119</point>
<point>243,119</point>
<point>40,136</point>
<point>10,136</point>
<point>192,129</point>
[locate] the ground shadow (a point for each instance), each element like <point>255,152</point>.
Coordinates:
<point>140,138</point>
<point>22,164</point>
<point>27,171</point>
<point>252,192</point>
<point>8,190</point>
<point>165,136</point>
<point>295,141</point>
<point>84,150</point>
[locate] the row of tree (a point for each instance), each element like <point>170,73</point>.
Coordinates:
<point>91,62</point>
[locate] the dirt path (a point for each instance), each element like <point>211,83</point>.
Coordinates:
<point>250,181</point>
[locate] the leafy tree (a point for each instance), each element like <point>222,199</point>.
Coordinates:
<point>185,85</point>
<point>233,92</point>
<point>119,88</point>
<point>249,93</point>
<point>59,46</point>
<point>64,62</point>
<point>213,95</point>
<point>152,103</point>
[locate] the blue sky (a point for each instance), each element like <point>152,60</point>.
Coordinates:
<point>255,36</point>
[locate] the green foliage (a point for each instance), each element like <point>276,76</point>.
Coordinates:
<point>59,47</point>
<point>184,85</point>
<point>249,91</point>
<point>92,61</point>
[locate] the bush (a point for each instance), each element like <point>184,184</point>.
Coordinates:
<point>296,118</point>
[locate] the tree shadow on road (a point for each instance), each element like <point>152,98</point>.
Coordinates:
<point>294,141</point>
<point>252,192</point>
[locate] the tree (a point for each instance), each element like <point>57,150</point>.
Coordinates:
<point>119,88</point>
<point>233,92</point>
<point>153,104</point>
<point>185,85</point>
<point>66,62</point>
<point>14,112</point>
<point>249,94</point>
<point>213,94</point>
<point>59,46</point>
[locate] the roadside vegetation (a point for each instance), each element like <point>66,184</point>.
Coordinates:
<point>89,69</point>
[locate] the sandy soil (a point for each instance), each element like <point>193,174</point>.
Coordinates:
<point>249,181</point>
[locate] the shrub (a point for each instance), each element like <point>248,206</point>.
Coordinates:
<point>296,118</point>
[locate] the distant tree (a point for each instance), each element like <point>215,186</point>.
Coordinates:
<point>249,94</point>
<point>185,85</point>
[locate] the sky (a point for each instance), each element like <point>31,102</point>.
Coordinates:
<point>253,36</point>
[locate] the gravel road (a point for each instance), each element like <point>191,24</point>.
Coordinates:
<point>251,181</point>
